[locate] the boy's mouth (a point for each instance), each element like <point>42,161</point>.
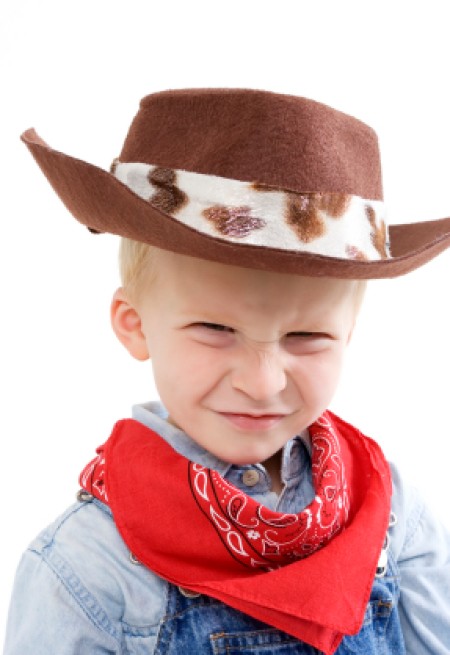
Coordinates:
<point>252,421</point>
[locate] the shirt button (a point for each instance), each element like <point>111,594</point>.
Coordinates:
<point>250,477</point>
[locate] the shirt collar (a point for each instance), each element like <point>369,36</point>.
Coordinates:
<point>154,415</point>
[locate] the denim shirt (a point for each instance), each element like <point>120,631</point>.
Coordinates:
<point>78,589</point>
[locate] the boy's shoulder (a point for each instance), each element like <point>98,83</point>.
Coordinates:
<point>84,549</point>
<point>77,579</point>
<point>417,532</point>
<point>407,508</point>
<point>73,521</point>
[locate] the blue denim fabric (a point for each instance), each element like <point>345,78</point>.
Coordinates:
<point>77,591</point>
<point>204,625</point>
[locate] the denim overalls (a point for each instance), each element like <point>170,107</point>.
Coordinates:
<point>195,624</point>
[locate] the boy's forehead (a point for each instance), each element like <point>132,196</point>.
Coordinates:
<point>207,283</point>
<point>217,274</point>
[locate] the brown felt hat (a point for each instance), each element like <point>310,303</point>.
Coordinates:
<point>250,178</point>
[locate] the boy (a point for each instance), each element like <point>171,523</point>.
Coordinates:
<point>239,515</point>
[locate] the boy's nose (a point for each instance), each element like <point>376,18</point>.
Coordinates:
<point>260,375</point>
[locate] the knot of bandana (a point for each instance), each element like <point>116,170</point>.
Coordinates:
<point>261,538</point>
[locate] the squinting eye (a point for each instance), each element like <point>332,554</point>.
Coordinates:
<point>307,343</point>
<point>211,334</point>
<point>216,327</point>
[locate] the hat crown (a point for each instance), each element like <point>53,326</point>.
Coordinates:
<point>250,135</point>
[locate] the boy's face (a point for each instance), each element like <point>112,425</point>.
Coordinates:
<point>243,360</point>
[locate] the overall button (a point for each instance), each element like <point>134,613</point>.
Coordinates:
<point>250,477</point>
<point>188,593</point>
<point>83,496</point>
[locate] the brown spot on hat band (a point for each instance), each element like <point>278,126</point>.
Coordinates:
<point>333,204</point>
<point>169,198</point>
<point>303,217</point>
<point>355,253</point>
<point>164,177</point>
<point>233,221</point>
<point>378,235</point>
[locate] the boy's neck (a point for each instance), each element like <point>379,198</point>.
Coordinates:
<point>273,468</point>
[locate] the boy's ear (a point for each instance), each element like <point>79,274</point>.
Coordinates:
<point>126,323</point>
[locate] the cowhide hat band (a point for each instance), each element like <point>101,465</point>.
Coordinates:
<point>331,224</point>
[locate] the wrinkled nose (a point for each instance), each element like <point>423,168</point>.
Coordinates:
<point>260,375</point>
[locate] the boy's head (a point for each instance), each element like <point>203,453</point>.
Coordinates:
<point>229,178</point>
<point>243,359</point>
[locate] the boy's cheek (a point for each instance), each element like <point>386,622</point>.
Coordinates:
<point>326,364</point>
<point>320,375</point>
<point>181,377</point>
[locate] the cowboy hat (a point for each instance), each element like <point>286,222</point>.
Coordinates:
<point>247,177</point>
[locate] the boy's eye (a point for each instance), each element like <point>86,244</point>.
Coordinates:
<point>216,327</point>
<point>307,343</point>
<point>211,334</point>
<point>308,336</point>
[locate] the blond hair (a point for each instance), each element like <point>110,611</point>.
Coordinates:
<point>137,266</point>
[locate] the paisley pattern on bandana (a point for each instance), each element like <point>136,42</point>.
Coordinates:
<point>261,538</point>
<point>92,477</point>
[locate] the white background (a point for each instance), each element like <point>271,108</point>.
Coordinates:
<point>76,71</point>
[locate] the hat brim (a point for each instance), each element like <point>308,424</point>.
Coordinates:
<point>104,204</point>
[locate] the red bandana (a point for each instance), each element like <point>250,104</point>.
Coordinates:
<point>191,527</point>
